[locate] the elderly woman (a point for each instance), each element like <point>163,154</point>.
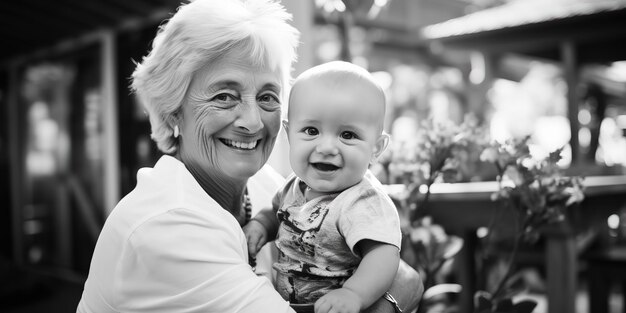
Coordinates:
<point>212,86</point>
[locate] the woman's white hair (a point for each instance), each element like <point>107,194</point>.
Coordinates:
<point>199,33</point>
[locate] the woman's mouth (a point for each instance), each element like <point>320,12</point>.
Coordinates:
<point>241,145</point>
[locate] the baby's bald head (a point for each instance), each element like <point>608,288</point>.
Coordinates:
<point>341,76</point>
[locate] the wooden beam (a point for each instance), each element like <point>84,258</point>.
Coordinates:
<point>303,20</point>
<point>544,39</point>
<point>108,68</point>
<point>570,70</point>
<point>484,70</point>
<point>16,169</point>
<point>561,268</point>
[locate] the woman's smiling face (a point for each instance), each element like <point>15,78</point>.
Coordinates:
<point>231,117</point>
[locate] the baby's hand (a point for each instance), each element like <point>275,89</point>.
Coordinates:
<point>340,300</point>
<point>256,235</point>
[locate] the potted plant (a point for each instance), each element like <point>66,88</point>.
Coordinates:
<point>535,189</point>
<point>539,194</point>
<point>436,155</point>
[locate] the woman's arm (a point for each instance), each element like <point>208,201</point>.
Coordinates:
<point>407,289</point>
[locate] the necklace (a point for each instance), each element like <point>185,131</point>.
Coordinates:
<point>247,206</point>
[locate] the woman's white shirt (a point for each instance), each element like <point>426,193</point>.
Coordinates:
<point>169,247</point>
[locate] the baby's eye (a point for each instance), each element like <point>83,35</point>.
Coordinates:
<point>311,131</point>
<point>348,135</point>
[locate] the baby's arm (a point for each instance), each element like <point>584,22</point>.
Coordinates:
<point>264,225</point>
<point>369,282</point>
<point>261,229</point>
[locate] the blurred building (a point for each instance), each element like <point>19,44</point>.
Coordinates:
<point>561,64</point>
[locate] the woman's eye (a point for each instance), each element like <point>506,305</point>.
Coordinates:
<point>269,102</point>
<point>348,135</point>
<point>224,97</point>
<point>311,131</point>
<point>268,98</point>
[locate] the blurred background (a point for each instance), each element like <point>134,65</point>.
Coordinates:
<point>72,136</point>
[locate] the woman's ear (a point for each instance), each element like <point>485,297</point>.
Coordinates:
<point>381,144</point>
<point>286,127</point>
<point>175,123</point>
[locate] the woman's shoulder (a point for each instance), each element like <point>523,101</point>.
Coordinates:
<point>164,192</point>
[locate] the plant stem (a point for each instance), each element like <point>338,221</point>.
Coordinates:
<point>518,239</point>
<point>495,214</point>
<point>509,268</point>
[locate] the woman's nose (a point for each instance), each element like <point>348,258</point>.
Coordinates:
<point>327,145</point>
<point>249,118</point>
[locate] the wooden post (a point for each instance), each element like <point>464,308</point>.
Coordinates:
<point>484,71</point>
<point>570,71</point>
<point>16,169</point>
<point>561,266</point>
<point>109,79</point>
<point>467,270</point>
<point>561,270</point>
<point>303,13</point>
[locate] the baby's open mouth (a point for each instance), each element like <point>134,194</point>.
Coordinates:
<point>326,167</point>
<point>240,144</point>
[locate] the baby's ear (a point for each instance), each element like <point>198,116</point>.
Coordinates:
<point>381,144</point>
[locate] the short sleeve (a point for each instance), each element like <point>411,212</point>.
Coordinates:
<point>367,213</point>
<point>185,261</point>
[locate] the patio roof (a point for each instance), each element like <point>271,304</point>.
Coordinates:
<point>538,28</point>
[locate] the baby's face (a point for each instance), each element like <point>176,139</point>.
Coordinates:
<point>334,131</point>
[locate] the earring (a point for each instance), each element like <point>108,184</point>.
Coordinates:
<point>176,131</point>
<point>373,161</point>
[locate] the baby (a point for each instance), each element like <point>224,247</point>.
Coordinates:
<point>336,230</point>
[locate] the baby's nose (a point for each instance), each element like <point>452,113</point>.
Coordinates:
<point>327,145</point>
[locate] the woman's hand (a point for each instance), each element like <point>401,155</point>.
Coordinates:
<point>340,300</point>
<point>256,235</point>
<point>407,289</point>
